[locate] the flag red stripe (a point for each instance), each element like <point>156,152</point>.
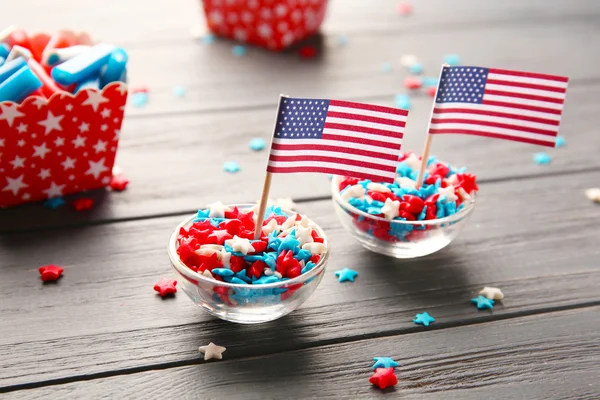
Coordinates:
<point>334,171</point>
<point>494,124</point>
<point>371,107</point>
<point>522,106</point>
<point>363,129</point>
<point>496,114</point>
<point>492,135</point>
<point>370,142</point>
<point>338,149</point>
<point>524,96</point>
<point>529,75</point>
<point>366,118</point>
<point>527,85</point>
<point>338,160</point>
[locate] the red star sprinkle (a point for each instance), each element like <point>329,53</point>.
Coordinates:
<point>119,183</point>
<point>307,52</point>
<point>165,287</point>
<point>431,91</point>
<point>83,204</point>
<point>383,377</point>
<point>51,272</point>
<point>412,82</point>
<point>467,182</point>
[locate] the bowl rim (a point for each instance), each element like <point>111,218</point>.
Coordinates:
<point>185,270</point>
<point>470,204</point>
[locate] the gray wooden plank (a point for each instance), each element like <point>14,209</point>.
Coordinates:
<point>536,239</point>
<point>539,357</point>
<point>175,163</point>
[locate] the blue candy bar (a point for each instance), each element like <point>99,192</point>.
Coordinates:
<point>115,69</point>
<point>91,83</point>
<point>2,60</point>
<point>9,68</point>
<point>86,65</point>
<point>4,50</point>
<point>19,85</point>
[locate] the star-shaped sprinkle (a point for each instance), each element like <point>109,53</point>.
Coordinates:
<point>10,113</point>
<point>179,91</point>
<point>51,123</point>
<point>257,144</point>
<point>212,351</point>
<point>390,209</point>
<point>593,194</point>
<point>83,204</point>
<point>354,191</point>
<point>15,184</point>
<point>271,226</point>
<point>54,203</point>
<point>542,158</point>
<point>231,166</point>
<point>378,187</point>
<point>304,235</point>
<point>384,362</point>
<point>139,99</point>
<point>413,161</point>
<point>166,287</point>
<point>346,274</point>
<point>289,243</point>
<point>217,210</point>
<point>239,244</point>
<point>119,183</point>
<point>51,272</point>
<point>315,248</point>
<point>94,99</point>
<point>423,319</point>
<point>560,142</point>
<point>492,293</point>
<point>448,191</point>
<point>483,302</point>
<point>405,182</point>
<point>383,377</point>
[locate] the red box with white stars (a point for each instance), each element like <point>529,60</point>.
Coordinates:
<point>274,24</point>
<point>59,146</point>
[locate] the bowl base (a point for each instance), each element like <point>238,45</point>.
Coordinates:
<point>248,316</point>
<point>406,250</point>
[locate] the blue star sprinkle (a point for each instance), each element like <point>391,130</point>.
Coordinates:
<point>416,69</point>
<point>384,362</point>
<point>274,210</point>
<point>239,50</point>
<point>429,81</point>
<point>452,60</point>
<point>257,144</point>
<point>403,101</point>
<point>222,272</point>
<point>289,243</point>
<point>483,302</point>
<point>231,166</point>
<point>385,67</point>
<point>179,91</point>
<point>346,274</point>
<point>424,319</point>
<point>273,242</point>
<point>560,141</point>
<point>140,99</point>
<point>208,38</point>
<point>542,158</point>
<point>54,203</point>
<point>202,215</point>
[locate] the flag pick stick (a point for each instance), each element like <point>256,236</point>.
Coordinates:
<point>264,198</point>
<point>429,138</point>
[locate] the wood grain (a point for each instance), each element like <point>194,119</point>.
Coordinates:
<point>548,356</point>
<point>541,250</point>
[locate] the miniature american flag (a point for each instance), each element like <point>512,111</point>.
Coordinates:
<point>512,105</point>
<point>337,137</point>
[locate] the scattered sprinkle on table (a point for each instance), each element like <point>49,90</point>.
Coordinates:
<point>212,351</point>
<point>346,274</point>
<point>257,144</point>
<point>452,60</point>
<point>179,91</point>
<point>423,319</point>
<point>542,158</point>
<point>83,204</point>
<point>560,141</point>
<point>483,303</point>
<point>385,67</point>
<point>593,194</point>
<point>54,202</point>
<point>239,51</point>
<point>384,362</point>
<point>51,272</point>
<point>403,101</point>
<point>416,69</point>
<point>408,59</point>
<point>491,293</point>
<point>231,166</point>
<point>342,40</point>
<point>431,91</point>
<point>412,82</point>
<point>209,38</point>
<point>404,8</point>
<point>383,378</point>
<point>166,287</point>
<point>140,99</point>
<point>308,52</point>
<point>119,183</point>
<point>429,81</point>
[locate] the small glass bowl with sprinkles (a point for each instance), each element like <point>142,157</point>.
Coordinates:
<point>400,220</point>
<point>233,277</point>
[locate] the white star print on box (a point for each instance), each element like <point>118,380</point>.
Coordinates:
<point>18,162</point>
<point>94,99</point>
<point>69,163</point>
<point>96,168</point>
<point>22,128</point>
<point>100,146</point>
<point>54,190</point>
<point>9,113</point>
<point>41,151</point>
<point>14,185</point>
<point>52,122</point>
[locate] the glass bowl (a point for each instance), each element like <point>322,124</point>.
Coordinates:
<point>246,304</point>
<point>418,238</point>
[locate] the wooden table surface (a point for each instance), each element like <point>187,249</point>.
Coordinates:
<point>101,331</point>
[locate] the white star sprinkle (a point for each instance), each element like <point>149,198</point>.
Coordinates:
<point>315,247</point>
<point>51,123</point>
<point>94,99</point>
<point>269,227</point>
<point>217,209</point>
<point>405,182</point>
<point>96,168</point>
<point>10,113</point>
<point>593,194</point>
<point>390,209</point>
<point>303,234</point>
<point>355,191</point>
<point>413,162</point>
<point>14,185</point>
<point>492,293</point>
<point>448,191</point>
<point>241,245</point>
<point>378,187</point>
<point>212,351</point>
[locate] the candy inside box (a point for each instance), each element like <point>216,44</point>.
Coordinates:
<point>55,142</point>
<point>268,23</point>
